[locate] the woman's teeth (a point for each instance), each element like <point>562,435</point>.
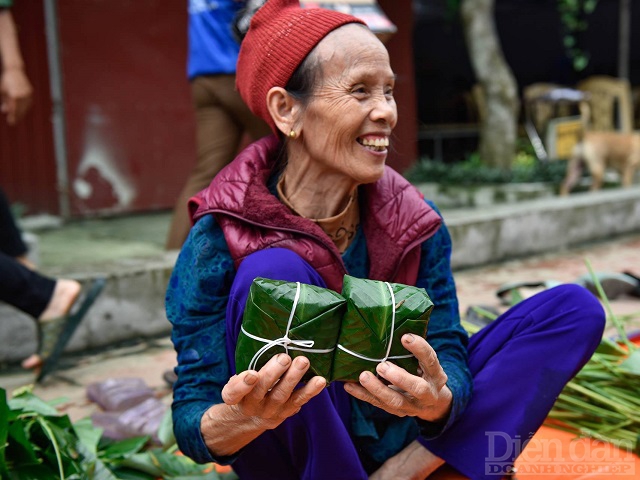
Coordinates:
<point>376,144</point>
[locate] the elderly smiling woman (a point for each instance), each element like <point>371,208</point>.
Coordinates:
<point>315,201</point>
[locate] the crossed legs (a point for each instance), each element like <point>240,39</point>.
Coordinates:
<point>520,363</point>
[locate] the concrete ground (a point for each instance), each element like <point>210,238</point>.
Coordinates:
<point>81,245</point>
<point>477,286</point>
<point>149,358</point>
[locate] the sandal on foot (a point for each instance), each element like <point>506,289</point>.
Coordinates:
<point>613,284</point>
<point>481,315</point>
<point>53,335</point>
<point>636,291</point>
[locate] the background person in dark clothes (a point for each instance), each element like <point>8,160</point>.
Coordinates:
<point>57,305</point>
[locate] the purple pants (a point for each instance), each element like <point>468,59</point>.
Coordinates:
<point>520,363</point>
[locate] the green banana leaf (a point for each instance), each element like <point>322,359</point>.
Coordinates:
<point>317,318</point>
<point>367,326</point>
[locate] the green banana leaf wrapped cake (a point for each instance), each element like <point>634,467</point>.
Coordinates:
<point>312,329</point>
<point>378,314</point>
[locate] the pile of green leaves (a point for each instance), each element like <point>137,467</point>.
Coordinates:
<point>574,15</point>
<point>473,172</point>
<point>603,400</point>
<point>37,442</point>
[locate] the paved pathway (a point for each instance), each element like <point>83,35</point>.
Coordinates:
<point>477,286</point>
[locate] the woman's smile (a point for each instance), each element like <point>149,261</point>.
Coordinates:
<point>374,143</point>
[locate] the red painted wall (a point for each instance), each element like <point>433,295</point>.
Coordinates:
<point>27,162</point>
<point>405,150</point>
<point>130,126</point>
<point>130,131</point>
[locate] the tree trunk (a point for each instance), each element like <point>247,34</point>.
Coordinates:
<point>499,127</point>
<point>624,39</point>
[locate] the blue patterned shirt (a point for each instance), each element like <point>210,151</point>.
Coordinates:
<point>196,306</point>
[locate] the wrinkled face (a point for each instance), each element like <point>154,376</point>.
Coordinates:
<point>348,121</point>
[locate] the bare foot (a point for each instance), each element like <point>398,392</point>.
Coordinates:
<point>414,461</point>
<point>33,361</point>
<point>64,295</point>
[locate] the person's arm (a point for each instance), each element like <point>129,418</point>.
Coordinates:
<point>196,302</point>
<point>15,89</point>
<point>215,415</point>
<point>445,333</point>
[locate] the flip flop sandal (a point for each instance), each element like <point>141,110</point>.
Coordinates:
<point>636,291</point>
<point>509,293</point>
<point>481,315</point>
<point>613,284</point>
<point>55,334</point>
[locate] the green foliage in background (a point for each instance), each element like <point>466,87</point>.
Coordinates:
<point>603,400</point>
<point>37,442</point>
<point>473,171</point>
<point>574,15</point>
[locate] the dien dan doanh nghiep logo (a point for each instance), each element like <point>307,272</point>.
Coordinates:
<point>554,457</point>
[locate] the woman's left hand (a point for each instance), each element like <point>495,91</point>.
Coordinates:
<point>425,395</point>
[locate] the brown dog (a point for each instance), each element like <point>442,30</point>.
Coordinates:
<point>599,151</point>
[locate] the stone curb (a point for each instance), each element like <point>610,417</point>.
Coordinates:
<point>132,304</point>
<point>548,225</point>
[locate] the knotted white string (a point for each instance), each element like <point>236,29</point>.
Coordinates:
<point>285,341</point>
<point>393,323</point>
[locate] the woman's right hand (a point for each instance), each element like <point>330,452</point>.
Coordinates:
<point>257,401</point>
<point>270,396</point>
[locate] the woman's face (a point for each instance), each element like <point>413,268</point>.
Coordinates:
<point>348,120</point>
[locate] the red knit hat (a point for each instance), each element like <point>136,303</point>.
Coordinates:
<point>280,37</point>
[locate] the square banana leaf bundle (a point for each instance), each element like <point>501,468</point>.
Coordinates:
<point>314,326</point>
<point>369,325</point>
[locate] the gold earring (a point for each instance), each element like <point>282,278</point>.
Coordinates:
<point>292,134</point>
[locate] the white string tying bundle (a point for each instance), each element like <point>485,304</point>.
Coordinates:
<point>285,341</point>
<point>393,324</point>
